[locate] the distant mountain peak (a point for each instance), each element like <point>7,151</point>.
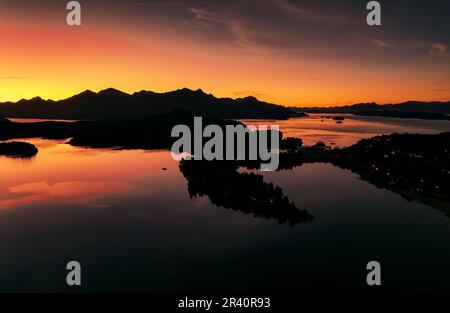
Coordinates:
<point>250,99</point>
<point>34,99</point>
<point>87,92</point>
<point>143,93</point>
<point>190,91</point>
<point>82,96</point>
<point>112,92</point>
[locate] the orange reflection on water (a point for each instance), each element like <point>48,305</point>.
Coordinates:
<point>65,174</point>
<point>65,192</point>
<point>60,173</point>
<point>322,127</point>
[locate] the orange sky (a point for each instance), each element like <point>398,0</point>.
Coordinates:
<point>45,57</point>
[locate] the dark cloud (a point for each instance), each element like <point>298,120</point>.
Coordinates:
<point>304,26</point>
<point>338,28</point>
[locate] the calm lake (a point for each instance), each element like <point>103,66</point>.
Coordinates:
<point>133,227</point>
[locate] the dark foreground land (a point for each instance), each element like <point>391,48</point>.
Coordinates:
<point>153,132</point>
<point>412,165</point>
<point>245,192</point>
<point>18,149</point>
<point>415,166</point>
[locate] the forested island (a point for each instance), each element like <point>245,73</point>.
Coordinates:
<point>18,149</point>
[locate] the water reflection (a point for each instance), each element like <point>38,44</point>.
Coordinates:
<point>19,159</point>
<point>61,173</point>
<point>245,192</point>
<point>143,232</point>
<point>42,192</point>
<point>321,127</point>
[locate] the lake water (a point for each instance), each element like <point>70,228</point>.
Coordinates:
<point>133,226</point>
<point>321,127</point>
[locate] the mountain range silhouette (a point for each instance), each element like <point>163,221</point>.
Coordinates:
<point>438,107</point>
<point>110,104</point>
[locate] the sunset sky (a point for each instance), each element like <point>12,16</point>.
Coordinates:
<point>296,53</point>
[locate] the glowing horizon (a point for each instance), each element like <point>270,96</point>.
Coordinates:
<point>222,50</point>
<point>130,92</point>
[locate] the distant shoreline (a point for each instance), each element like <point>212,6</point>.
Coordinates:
<point>409,115</point>
<point>434,110</point>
